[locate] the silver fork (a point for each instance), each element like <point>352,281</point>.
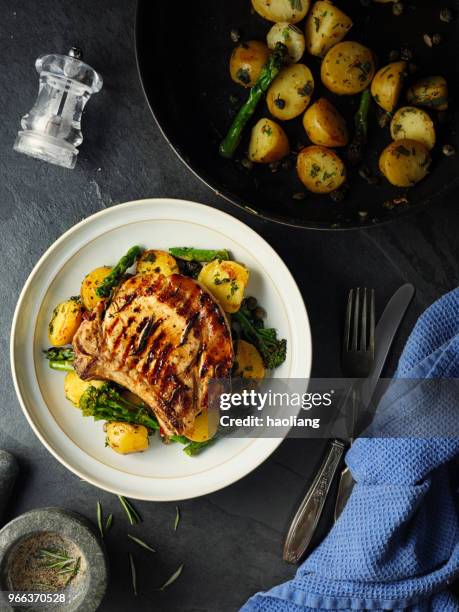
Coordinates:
<point>357,360</point>
<point>358,355</point>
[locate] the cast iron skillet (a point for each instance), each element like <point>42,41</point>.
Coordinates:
<point>183,50</point>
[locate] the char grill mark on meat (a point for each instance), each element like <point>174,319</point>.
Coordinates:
<point>162,338</point>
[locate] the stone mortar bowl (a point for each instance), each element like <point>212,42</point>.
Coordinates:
<point>50,528</point>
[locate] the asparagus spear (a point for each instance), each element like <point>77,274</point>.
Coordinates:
<point>356,148</point>
<point>267,76</point>
<point>191,254</point>
<point>60,358</point>
<point>105,403</point>
<point>192,448</point>
<point>114,278</point>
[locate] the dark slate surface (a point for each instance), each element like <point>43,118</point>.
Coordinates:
<point>230,541</point>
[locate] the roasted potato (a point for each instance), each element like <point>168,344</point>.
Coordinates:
<point>291,11</point>
<point>74,387</point>
<point>205,426</point>
<point>125,438</point>
<point>268,142</point>
<point>248,361</point>
<point>405,162</point>
<point>387,85</point>
<point>157,262</point>
<point>348,68</point>
<point>247,61</point>
<point>290,36</point>
<point>326,26</point>
<point>65,321</point>
<point>414,124</point>
<point>320,169</point>
<point>290,92</point>
<point>324,125</point>
<point>226,281</point>
<point>89,286</point>
<point>431,92</point>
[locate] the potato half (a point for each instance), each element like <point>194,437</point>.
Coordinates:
<point>387,85</point>
<point>248,361</point>
<point>414,124</point>
<point>324,125</point>
<point>431,92</point>
<point>65,321</point>
<point>268,142</point>
<point>204,427</point>
<point>157,262</point>
<point>247,61</point>
<point>290,36</point>
<point>291,11</point>
<point>405,162</point>
<point>226,281</point>
<point>125,438</point>
<point>89,286</point>
<point>74,387</point>
<point>290,92</point>
<point>348,68</point>
<point>326,26</point>
<point>320,169</point>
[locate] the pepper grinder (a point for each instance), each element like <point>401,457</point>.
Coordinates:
<point>51,131</point>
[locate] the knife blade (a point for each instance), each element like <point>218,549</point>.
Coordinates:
<point>386,330</point>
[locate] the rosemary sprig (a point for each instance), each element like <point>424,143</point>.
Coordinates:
<point>99,519</point>
<point>133,573</point>
<point>177,517</point>
<point>173,578</point>
<point>141,543</point>
<point>61,562</point>
<point>131,512</point>
<point>76,569</point>
<point>108,523</point>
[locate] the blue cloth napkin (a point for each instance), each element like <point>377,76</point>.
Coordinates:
<point>396,544</point>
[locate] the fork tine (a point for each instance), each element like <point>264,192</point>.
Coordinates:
<point>371,346</point>
<point>355,324</point>
<point>347,321</point>
<point>363,322</point>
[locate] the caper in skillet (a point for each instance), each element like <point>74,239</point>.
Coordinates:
<point>448,150</point>
<point>446,15</point>
<point>280,103</point>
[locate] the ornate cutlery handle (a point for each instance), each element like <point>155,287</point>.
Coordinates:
<point>307,518</point>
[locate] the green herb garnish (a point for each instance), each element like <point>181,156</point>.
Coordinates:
<point>173,578</point>
<point>177,517</point>
<point>131,512</point>
<point>141,543</point>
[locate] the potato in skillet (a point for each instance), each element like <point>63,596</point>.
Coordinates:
<point>247,61</point>
<point>326,25</point>
<point>290,92</point>
<point>292,11</point>
<point>348,68</point>
<point>405,162</point>
<point>320,169</point>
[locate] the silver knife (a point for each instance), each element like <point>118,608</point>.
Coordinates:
<point>308,515</point>
<point>386,329</point>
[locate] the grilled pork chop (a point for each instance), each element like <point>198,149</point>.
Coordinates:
<point>161,338</point>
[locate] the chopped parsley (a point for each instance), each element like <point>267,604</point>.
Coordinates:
<point>315,169</point>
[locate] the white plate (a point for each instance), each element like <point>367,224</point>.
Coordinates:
<point>163,473</point>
